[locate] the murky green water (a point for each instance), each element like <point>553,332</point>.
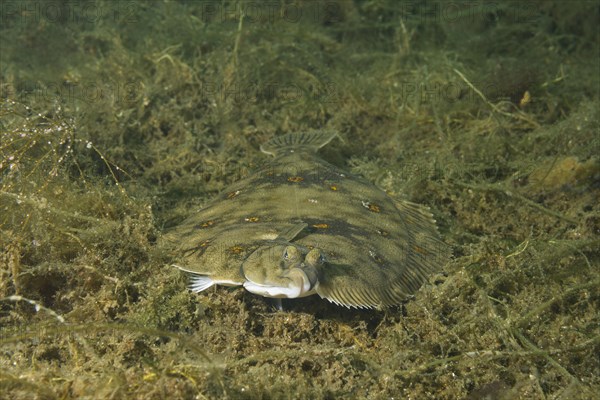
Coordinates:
<point>120,118</point>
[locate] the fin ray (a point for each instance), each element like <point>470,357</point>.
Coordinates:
<point>309,140</point>
<point>199,283</point>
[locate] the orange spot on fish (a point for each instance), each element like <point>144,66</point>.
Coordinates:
<point>236,249</point>
<point>420,250</point>
<point>371,206</point>
<point>320,226</point>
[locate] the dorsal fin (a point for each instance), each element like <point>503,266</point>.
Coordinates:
<point>311,141</point>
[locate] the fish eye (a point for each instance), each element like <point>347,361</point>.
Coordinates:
<point>290,253</point>
<point>315,257</point>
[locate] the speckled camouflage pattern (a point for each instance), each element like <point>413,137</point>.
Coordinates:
<point>300,226</point>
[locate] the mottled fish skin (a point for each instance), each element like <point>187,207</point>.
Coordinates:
<point>351,243</point>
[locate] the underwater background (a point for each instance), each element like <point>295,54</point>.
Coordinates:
<point>120,118</point>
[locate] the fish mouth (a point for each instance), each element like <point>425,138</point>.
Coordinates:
<point>295,284</point>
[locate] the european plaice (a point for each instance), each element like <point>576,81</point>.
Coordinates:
<point>300,226</point>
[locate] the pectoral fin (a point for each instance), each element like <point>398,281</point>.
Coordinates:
<point>289,234</point>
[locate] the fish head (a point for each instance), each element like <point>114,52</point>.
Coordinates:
<point>282,270</point>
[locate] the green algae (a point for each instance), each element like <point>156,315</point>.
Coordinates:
<point>148,112</point>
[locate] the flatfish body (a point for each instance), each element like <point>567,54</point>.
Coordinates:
<point>299,226</point>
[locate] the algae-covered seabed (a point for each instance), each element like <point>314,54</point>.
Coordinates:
<point>119,119</point>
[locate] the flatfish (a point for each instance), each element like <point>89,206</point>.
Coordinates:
<point>300,226</point>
